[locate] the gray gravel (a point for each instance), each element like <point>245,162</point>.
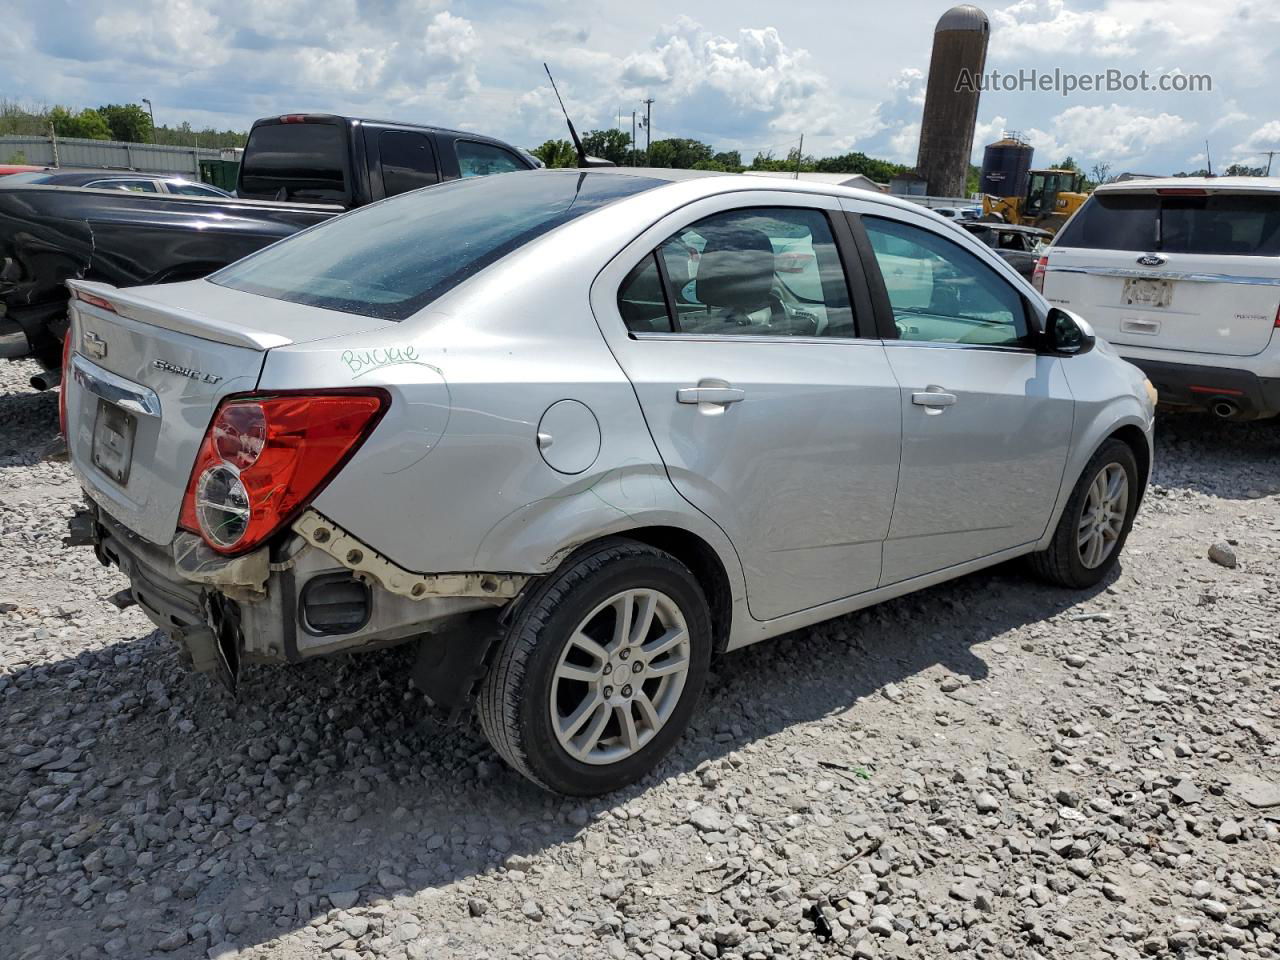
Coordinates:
<point>992,767</point>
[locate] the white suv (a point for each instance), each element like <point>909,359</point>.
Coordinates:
<point>1182,276</point>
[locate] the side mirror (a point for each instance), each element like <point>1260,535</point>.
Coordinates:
<point>1067,333</point>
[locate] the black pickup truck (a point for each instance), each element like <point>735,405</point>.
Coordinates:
<point>297,170</point>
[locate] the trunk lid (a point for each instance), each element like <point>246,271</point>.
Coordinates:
<point>143,383</point>
<point>1194,270</point>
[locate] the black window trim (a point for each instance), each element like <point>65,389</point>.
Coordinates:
<point>885,324</point>
<point>846,251</point>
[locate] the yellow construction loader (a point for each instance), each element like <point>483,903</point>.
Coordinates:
<point>1052,196</point>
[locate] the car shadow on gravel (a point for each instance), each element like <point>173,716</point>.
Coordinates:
<point>333,783</point>
<point>28,426</point>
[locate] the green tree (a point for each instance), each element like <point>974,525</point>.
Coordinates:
<point>680,153</point>
<point>1242,170</point>
<point>727,160</point>
<point>87,124</point>
<point>879,170</point>
<point>128,122</point>
<point>611,145</point>
<point>556,153</point>
<point>1067,164</point>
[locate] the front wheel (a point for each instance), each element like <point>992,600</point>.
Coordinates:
<point>600,672</point>
<point>1095,522</point>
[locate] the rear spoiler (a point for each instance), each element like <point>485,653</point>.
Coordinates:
<point>133,304</point>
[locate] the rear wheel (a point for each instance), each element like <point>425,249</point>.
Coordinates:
<point>1096,521</point>
<point>601,670</point>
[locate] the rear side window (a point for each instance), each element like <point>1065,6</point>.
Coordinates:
<point>482,159</point>
<point>1216,223</point>
<point>408,161</point>
<point>765,271</point>
<point>390,259</point>
<point>295,161</point>
<point>135,186</point>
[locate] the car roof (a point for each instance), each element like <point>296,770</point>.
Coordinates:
<point>1216,184</point>
<point>722,181</point>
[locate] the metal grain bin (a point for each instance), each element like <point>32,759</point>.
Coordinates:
<point>1005,166</point>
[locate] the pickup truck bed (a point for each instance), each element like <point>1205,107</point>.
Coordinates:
<point>298,170</point>
<point>49,235</point>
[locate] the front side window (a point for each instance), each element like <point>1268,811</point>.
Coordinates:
<point>408,161</point>
<point>391,259</point>
<point>942,293</point>
<point>482,159</point>
<point>766,271</point>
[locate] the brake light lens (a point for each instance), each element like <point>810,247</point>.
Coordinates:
<point>1037,275</point>
<point>1181,192</point>
<point>1277,324</point>
<point>264,458</point>
<point>62,385</point>
<point>95,301</point>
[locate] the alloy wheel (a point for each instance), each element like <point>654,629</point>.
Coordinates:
<point>620,676</point>
<point>1102,515</point>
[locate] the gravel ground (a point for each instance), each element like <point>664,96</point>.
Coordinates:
<point>992,766</point>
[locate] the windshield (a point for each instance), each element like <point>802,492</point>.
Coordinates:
<point>390,259</point>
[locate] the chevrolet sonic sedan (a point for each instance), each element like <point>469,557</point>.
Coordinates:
<point>576,433</point>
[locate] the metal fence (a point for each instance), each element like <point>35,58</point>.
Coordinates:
<point>105,154</point>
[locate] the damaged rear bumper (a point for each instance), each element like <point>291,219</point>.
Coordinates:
<point>319,592</point>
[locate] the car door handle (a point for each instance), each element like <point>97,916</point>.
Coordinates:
<point>721,395</point>
<point>933,398</point>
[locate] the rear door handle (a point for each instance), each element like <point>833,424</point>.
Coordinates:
<point>717,392</point>
<point>933,398</point>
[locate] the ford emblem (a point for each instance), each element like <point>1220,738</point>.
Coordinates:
<point>1151,260</point>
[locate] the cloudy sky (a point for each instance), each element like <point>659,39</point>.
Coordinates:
<point>742,74</point>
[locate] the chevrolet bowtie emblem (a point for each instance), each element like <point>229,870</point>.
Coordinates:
<point>95,346</point>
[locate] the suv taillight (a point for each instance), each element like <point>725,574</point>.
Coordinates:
<point>1037,275</point>
<point>264,458</point>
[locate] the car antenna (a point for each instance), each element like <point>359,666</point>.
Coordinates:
<point>583,159</point>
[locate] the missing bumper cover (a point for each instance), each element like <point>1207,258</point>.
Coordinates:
<point>326,535</point>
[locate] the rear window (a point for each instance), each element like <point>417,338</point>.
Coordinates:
<point>1218,223</point>
<point>295,161</point>
<point>390,259</point>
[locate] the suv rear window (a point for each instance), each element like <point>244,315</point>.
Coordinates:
<point>1217,223</point>
<point>308,161</point>
<point>392,258</point>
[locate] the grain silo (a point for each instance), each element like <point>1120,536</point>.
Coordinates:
<point>1006,165</point>
<point>951,99</point>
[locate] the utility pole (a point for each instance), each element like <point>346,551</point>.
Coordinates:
<point>799,156</point>
<point>153,119</point>
<point>648,130</point>
<point>1270,154</point>
<point>632,151</point>
<point>1207,159</point>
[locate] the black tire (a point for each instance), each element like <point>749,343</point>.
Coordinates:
<point>514,700</point>
<point>1060,563</point>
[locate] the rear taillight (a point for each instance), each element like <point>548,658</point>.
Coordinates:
<point>264,458</point>
<point>1037,275</point>
<point>1277,323</point>
<point>62,386</point>
<point>96,301</point>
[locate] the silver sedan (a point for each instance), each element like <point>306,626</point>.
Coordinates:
<point>574,434</point>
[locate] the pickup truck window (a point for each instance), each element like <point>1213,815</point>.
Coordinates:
<point>408,162</point>
<point>391,259</point>
<point>482,159</point>
<point>307,161</point>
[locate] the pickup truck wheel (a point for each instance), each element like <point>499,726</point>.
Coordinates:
<point>600,671</point>
<point>1095,522</point>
